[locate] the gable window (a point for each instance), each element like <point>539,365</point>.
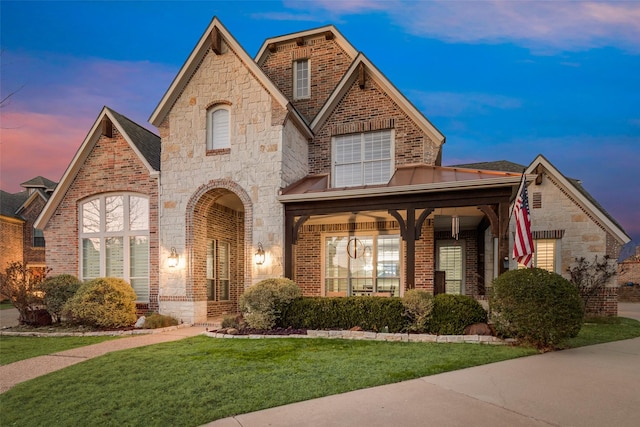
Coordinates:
<point>362,265</point>
<point>218,270</point>
<point>114,240</point>
<point>301,79</point>
<point>362,159</point>
<point>217,128</point>
<point>38,238</point>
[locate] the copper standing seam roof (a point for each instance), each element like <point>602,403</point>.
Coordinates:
<point>404,176</point>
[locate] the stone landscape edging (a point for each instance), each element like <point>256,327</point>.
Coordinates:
<point>131,332</point>
<point>377,336</point>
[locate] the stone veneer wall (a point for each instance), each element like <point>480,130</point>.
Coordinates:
<point>371,109</point>
<point>253,168</point>
<point>112,166</point>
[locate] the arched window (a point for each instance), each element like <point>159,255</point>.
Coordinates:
<point>114,240</point>
<point>217,128</point>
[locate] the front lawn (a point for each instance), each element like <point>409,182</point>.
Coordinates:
<point>197,380</point>
<point>599,330</point>
<point>5,305</point>
<point>14,348</point>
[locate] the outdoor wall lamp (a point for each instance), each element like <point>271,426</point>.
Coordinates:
<point>173,258</point>
<point>259,255</point>
<point>505,263</point>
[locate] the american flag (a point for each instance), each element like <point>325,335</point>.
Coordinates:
<point>523,242</point>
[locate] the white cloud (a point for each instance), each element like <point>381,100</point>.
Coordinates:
<point>543,26</point>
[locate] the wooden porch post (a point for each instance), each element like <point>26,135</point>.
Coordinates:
<point>503,238</point>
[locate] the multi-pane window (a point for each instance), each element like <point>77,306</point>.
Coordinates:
<point>114,240</point>
<point>218,270</point>
<point>217,128</point>
<point>362,159</point>
<point>544,255</point>
<point>301,79</point>
<point>362,265</point>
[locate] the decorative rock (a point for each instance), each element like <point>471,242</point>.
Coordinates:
<point>140,322</point>
<point>478,329</point>
<point>232,331</point>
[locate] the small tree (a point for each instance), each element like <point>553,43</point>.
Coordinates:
<point>591,278</point>
<point>21,284</point>
<point>262,303</point>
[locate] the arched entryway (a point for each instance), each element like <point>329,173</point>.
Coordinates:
<point>218,232</point>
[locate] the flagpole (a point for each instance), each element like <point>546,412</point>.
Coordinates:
<point>522,182</point>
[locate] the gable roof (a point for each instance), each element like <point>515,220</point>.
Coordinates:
<point>582,196</point>
<point>498,165</point>
<point>193,62</point>
<point>144,143</point>
<point>347,81</point>
<point>262,54</point>
<point>40,182</point>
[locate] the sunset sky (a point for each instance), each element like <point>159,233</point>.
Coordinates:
<point>501,80</point>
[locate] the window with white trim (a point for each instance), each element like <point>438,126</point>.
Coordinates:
<point>362,158</point>
<point>301,79</point>
<point>217,128</point>
<point>218,270</point>
<point>545,254</point>
<point>114,240</point>
<point>362,265</point>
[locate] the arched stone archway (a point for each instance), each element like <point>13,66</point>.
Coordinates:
<point>218,241</point>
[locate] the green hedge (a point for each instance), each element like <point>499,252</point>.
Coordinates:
<point>369,313</point>
<point>451,314</point>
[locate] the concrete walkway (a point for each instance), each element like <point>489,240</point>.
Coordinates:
<point>15,373</point>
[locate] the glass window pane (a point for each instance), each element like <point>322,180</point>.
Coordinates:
<point>224,290</point>
<point>139,256</point>
<point>141,288</point>
<point>377,145</point>
<point>302,78</point>
<point>378,172</point>
<point>114,266</point>
<point>450,261</point>
<point>114,213</point>
<point>545,254</point>
<point>138,213</point>
<point>91,216</point>
<point>348,148</point>
<point>348,175</point>
<point>90,258</point>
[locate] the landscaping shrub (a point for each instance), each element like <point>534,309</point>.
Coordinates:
<point>21,284</point>
<point>369,313</point>
<point>262,303</point>
<point>417,309</point>
<point>57,291</point>
<point>157,320</point>
<point>106,302</point>
<point>451,314</point>
<point>536,306</point>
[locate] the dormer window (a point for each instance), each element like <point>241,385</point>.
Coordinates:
<point>362,158</point>
<point>217,128</point>
<point>301,79</point>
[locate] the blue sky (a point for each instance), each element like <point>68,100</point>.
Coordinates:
<point>501,80</point>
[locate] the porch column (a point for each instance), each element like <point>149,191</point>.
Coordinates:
<point>408,234</point>
<point>503,237</point>
<point>288,245</point>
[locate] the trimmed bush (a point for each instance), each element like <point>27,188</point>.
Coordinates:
<point>536,306</point>
<point>262,303</point>
<point>106,302</point>
<point>451,314</point>
<point>157,320</point>
<point>57,291</point>
<point>369,313</point>
<point>417,309</point>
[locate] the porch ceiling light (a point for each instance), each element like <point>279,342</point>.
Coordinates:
<point>173,258</point>
<point>259,255</point>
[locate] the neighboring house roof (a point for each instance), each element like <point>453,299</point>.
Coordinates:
<point>193,62</point>
<point>40,182</point>
<point>583,197</point>
<point>347,81</point>
<point>143,142</point>
<point>417,178</point>
<point>10,203</point>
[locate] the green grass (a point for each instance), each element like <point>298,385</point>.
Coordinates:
<point>604,329</point>
<point>14,348</point>
<point>197,380</point>
<point>5,305</point>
